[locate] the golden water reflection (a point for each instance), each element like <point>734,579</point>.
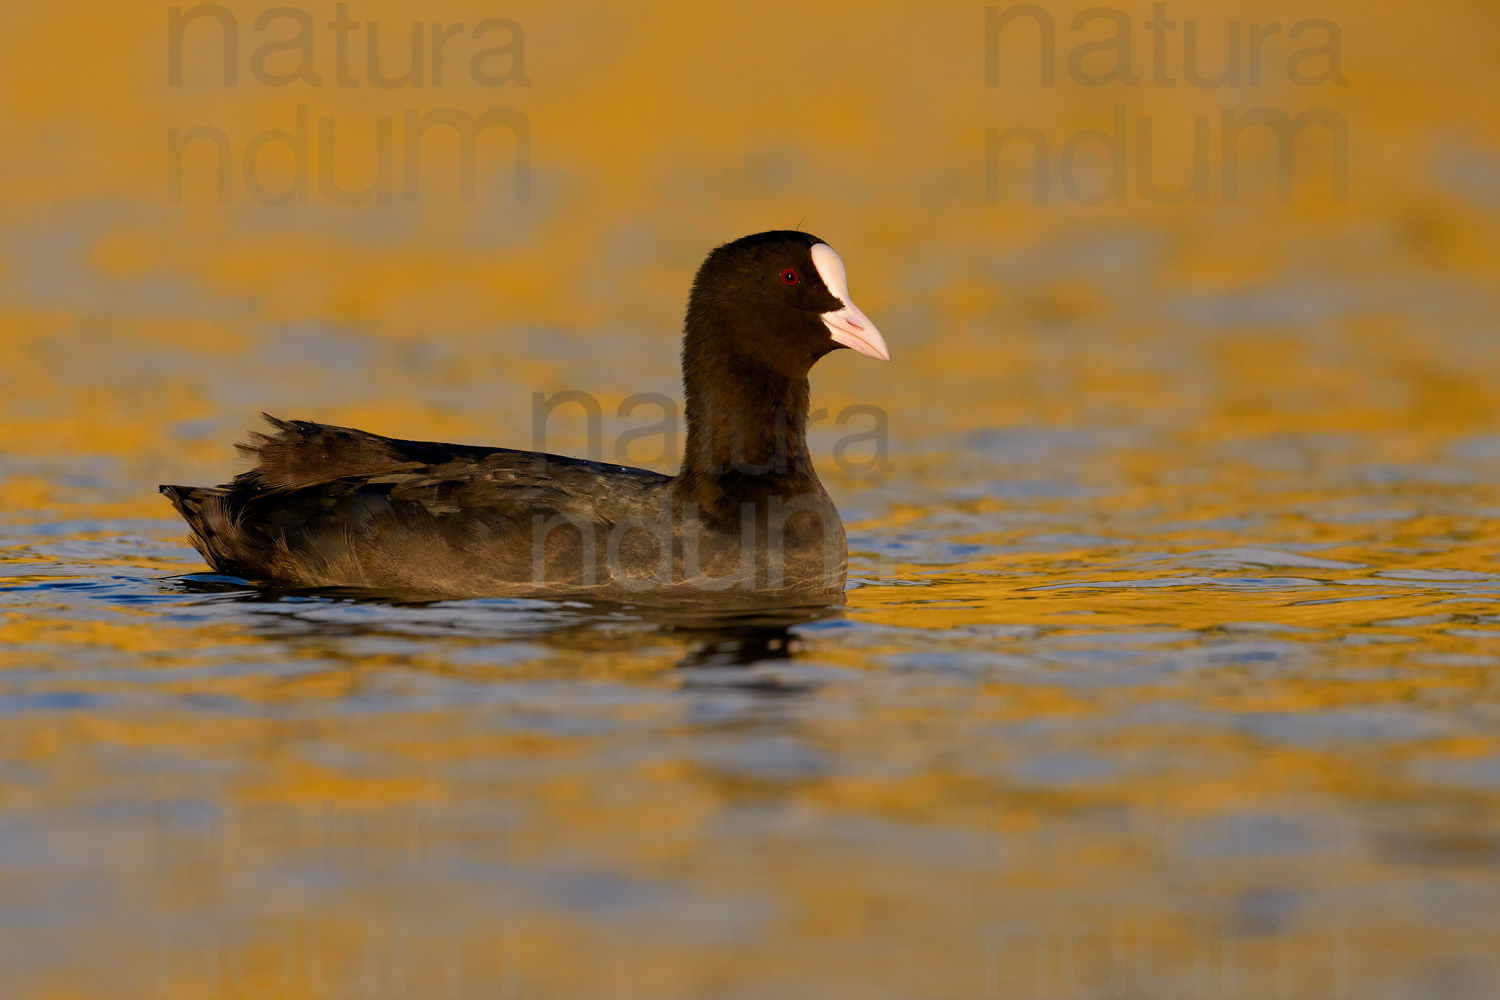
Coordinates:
<point>1168,664</point>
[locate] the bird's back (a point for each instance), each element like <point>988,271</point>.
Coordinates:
<point>328,506</point>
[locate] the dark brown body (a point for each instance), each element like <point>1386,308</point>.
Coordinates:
<point>334,507</point>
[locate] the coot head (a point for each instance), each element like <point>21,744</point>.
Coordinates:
<point>780,299</point>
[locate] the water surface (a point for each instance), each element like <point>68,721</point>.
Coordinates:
<point>1168,666</point>
<point>1114,726</point>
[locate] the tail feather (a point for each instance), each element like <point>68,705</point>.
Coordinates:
<point>203,509</point>
<point>299,513</point>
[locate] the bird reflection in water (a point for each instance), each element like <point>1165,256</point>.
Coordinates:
<point>735,635</point>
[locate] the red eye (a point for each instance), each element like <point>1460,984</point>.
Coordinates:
<point>789,277</point>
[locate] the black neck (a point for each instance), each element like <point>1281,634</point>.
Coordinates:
<point>746,432</point>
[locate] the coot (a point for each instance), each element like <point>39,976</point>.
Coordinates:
<point>331,507</point>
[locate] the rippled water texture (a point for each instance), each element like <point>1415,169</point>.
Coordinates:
<point>1169,662</point>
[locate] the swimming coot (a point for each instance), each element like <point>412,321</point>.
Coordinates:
<point>334,507</point>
